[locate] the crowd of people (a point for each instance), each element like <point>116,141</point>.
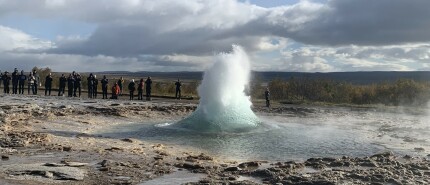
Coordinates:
<point>73,82</point>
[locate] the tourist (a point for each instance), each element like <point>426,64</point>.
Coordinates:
<point>90,81</point>
<point>148,83</point>
<point>178,85</point>
<point>95,86</point>
<point>70,84</point>
<point>140,89</point>
<point>1,78</point>
<point>48,84</point>
<point>120,84</point>
<point>21,82</point>
<point>267,96</point>
<point>31,80</point>
<point>6,82</point>
<point>115,91</point>
<point>105,83</point>
<point>78,83</point>
<point>62,85</point>
<point>15,80</point>
<point>36,81</point>
<point>132,88</point>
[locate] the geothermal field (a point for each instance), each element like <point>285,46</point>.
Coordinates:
<point>222,138</point>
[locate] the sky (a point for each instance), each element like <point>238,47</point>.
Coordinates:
<point>184,35</point>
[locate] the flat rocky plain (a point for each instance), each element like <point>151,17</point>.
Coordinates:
<point>51,140</point>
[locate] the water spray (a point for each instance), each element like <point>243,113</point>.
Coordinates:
<point>224,106</point>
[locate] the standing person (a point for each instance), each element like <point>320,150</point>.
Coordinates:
<point>62,85</point>
<point>36,81</point>
<point>1,78</point>
<point>21,83</point>
<point>15,79</point>
<point>70,85</point>
<point>140,89</point>
<point>115,91</point>
<point>90,80</point>
<point>267,96</point>
<point>105,83</point>
<point>95,86</point>
<point>30,83</point>
<point>178,85</point>
<point>132,88</point>
<point>48,84</point>
<point>78,83</point>
<point>120,84</point>
<point>6,82</point>
<point>148,83</point>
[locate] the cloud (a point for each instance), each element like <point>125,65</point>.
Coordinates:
<point>16,40</point>
<point>336,35</point>
<point>367,22</point>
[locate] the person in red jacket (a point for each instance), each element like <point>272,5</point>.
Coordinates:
<point>115,91</point>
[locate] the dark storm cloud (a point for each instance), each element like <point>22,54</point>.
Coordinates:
<point>339,22</point>
<point>368,22</point>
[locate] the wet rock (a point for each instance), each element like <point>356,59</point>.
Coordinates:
<point>419,149</point>
<point>407,157</point>
<point>232,169</point>
<point>393,182</point>
<point>336,164</point>
<point>383,155</point>
<point>104,169</point>
<point>39,169</point>
<point>54,164</point>
<point>105,163</point>
<point>4,157</point>
<point>252,164</point>
<point>191,166</point>
<point>127,140</point>
<point>75,164</point>
<point>326,159</point>
<point>369,163</point>
<point>114,149</point>
<point>195,158</point>
<point>159,157</point>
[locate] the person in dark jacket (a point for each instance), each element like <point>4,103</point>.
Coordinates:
<point>1,78</point>
<point>70,85</point>
<point>132,88</point>
<point>15,80</point>
<point>140,89</point>
<point>120,85</point>
<point>267,96</point>
<point>62,85</point>
<point>105,83</point>
<point>6,82</point>
<point>36,81</point>
<point>48,84</point>
<point>95,86</point>
<point>21,82</point>
<point>78,83</point>
<point>148,83</point>
<point>90,81</point>
<point>178,85</point>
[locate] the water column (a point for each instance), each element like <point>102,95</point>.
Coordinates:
<point>224,106</point>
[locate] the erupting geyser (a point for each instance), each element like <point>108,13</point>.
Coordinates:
<point>224,106</point>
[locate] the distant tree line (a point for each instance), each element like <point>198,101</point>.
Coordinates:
<point>401,92</point>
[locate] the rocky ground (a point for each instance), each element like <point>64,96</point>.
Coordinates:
<point>52,140</point>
